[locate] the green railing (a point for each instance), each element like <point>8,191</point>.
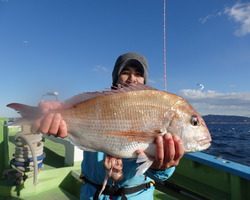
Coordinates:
<point>203,176</point>
<point>4,145</point>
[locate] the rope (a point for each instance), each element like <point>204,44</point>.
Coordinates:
<point>28,154</point>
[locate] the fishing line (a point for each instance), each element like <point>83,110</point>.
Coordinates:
<point>164,45</point>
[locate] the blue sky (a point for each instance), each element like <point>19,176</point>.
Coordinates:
<point>70,46</point>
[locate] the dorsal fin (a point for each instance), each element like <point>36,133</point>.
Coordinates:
<point>114,90</point>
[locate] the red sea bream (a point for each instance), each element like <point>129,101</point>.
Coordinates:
<point>119,122</point>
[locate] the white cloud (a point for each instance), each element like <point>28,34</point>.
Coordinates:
<point>212,102</point>
<point>204,20</point>
<point>100,69</point>
<point>26,43</point>
<point>240,13</point>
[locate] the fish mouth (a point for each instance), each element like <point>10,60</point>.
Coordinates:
<point>199,145</point>
<point>205,142</point>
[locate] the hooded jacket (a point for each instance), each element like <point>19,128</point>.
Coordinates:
<point>126,59</point>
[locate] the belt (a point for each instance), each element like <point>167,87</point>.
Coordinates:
<point>117,191</point>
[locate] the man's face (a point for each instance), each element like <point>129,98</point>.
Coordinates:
<point>131,75</point>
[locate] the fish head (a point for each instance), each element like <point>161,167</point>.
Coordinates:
<point>188,124</point>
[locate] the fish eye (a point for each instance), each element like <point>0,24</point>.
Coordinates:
<point>194,120</point>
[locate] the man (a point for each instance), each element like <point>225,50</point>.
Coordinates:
<point>129,69</point>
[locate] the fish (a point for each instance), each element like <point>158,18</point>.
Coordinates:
<point>123,120</point>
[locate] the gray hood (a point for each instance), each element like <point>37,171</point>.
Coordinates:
<point>126,59</point>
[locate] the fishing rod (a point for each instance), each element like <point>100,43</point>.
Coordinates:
<point>164,45</point>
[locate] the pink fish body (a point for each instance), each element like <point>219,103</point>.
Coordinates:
<point>122,121</point>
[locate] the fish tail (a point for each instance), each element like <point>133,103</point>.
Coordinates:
<point>28,113</point>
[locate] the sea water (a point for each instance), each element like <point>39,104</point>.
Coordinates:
<point>230,142</point>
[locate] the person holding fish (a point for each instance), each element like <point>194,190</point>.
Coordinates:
<point>123,183</point>
<point>124,132</point>
<point>129,69</point>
